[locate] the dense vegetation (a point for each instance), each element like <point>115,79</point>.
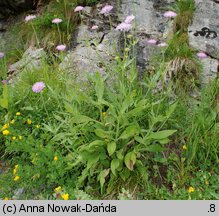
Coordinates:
<point>116,138</point>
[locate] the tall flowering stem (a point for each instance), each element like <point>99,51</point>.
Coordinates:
<point>106,12</point>
<point>57,21</point>
<point>3,64</point>
<point>60,37</point>
<point>29,18</point>
<point>37,39</point>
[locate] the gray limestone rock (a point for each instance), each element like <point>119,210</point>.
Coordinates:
<point>210,70</point>
<point>93,49</point>
<point>85,61</point>
<point>204,36</point>
<point>204,31</point>
<point>149,24</point>
<point>32,58</point>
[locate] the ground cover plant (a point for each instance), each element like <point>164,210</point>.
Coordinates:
<point>115,137</point>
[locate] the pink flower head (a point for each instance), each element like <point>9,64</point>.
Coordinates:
<point>94,27</point>
<point>38,87</point>
<point>106,9</point>
<point>202,55</point>
<point>61,47</point>
<point>79,8</point>
<point>124,27</point>
<point>129,19</point>
<point>30,17</point>
<point>2,54</point>
<point>56,20</point>
<point>162,44</point>
<point>151,41</point>
<point>4,82</point>
<point>170,14</point>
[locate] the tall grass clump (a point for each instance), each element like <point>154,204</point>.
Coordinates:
<point>182,65</point>
<point>202,137</point>
<point>185,10</point>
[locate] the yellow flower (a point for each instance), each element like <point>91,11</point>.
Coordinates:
<point>20,137</point>
<point>14,138</point>
<point>18,113</point>
<point>38,126</point>
<point>29,121</point>
<point>12,121</point>
<point>6,198</point>
<point>191,189</point>
<point>65,196</point>
<point>206,182</point>
<point>16,178</point>
<point>6,126</point>
<point>184,147</point>
<point>104,114</point>
<point>58,188</point>
<point>15,169</point>
<point>5,132</point>
<point>55,158</point>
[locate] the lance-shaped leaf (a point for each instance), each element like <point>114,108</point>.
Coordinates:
<point>130,160</point>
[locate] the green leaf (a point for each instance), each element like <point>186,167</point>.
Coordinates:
<point>126,104</point>
<point>59,118</point>
<point>139,139</point>
<point>130,131</point>
<point>103,174</point>
<point>154,148</point>
<point>164,141</point>
<point>130,160</point>
<point>4,99</point>
<point>83,176</point>
<point>171,110</point>
<point>115,165</point>
<point>124,174</point>
<point>119,154</point>
<point>5,92</point>
<point>95,144</point>
<point>92,160</point>
<point>27,108</point>
<point>4,103</point>
<point>161,134</point>
<point>138,111</point>
<point>101,133</point>
<point>99,87</point>
<point>70,108</point>
<point>111,147</point>
<point>215,196</point>
<point>160,160</point>
<point>81,119</point>
<point>142,102</point>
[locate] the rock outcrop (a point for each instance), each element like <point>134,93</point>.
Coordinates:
<point>204,36</point>
<point>31,60</point>
<point>94,49</point>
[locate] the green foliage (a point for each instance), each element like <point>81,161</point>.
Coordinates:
<point>202,137</point>
<point>185,5</point>
<point>182,65</point>
<point>185,10</point>
<point>116,137</point>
